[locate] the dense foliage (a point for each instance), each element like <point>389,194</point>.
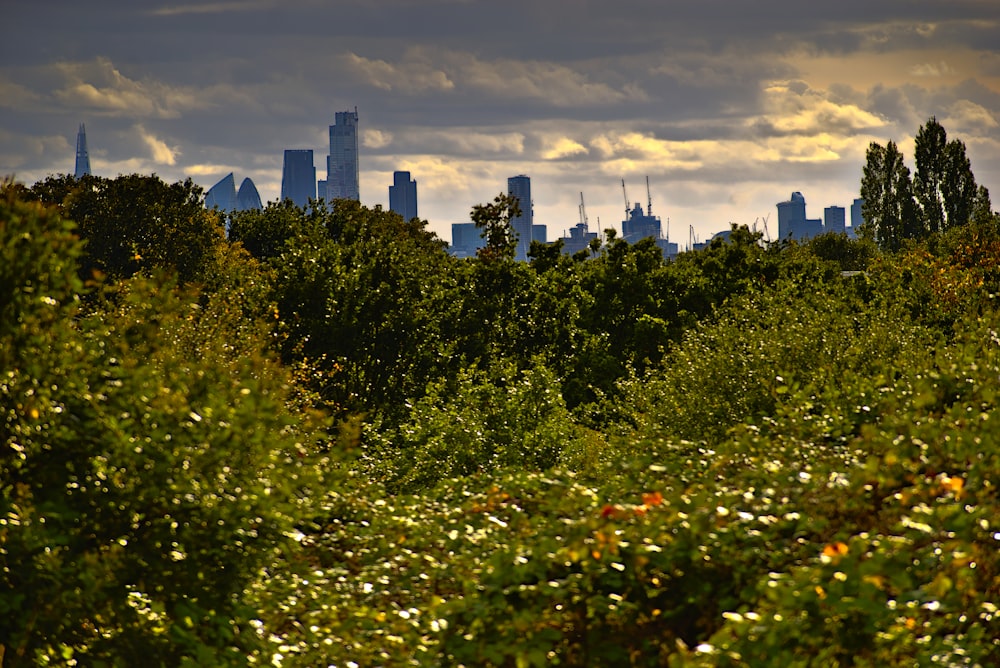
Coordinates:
<point>322,440</point>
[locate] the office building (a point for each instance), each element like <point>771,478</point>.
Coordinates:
<point>835,219</point>
<point>342,170</point>
<point>857,219</point>
<point>222,195</point>
<point>248,198</point>
<point>466,239</point>
<point>82,156</point>
<point>640,225</point>
<point>403,195</point>
<point>792,221</point>
<point>519,187</point>
<point>298,177</point>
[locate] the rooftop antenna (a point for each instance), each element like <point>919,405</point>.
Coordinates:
<point>649,199</point>
<point>625,193</point>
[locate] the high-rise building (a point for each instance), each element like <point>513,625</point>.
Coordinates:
<point>792,221</point>
<point>791,215</point>
<point>298,177</point>
<point>342,172</point>
<point>857,220</point>
<point>248,198</point>
<point>82,157</point>
<point>834,219</point>
<point>640,225</point>
<point>403,195</point>
<point>519,187</point>
<point>223,194</point>
<point>466,239</point>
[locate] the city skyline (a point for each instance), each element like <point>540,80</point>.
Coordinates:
<point>725,112</point>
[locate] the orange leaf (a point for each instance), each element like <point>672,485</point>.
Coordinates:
<point>835,550</point>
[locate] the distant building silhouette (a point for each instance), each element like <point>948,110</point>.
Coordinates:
<point>640,225</point>
<point>248,198</point>
<point>298,177</point>
<point>834,219</point>
<point>82,156</point>
<point>466,239</point>
<point>792,221</point>
<point>793,224</point>
<point>342,170</point>
<point>579,238</point>
<point>643,225</point>
<point>857,219</point>
<point>523,224</point>
<point>403,195</point>
<point>223,195</point>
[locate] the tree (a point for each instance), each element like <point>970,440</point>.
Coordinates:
<point>960,190</point>
<point>135,223</point>
<point>943,184</point>
<point>494,220</point>
<point>889,208</point>
<point>930,153</point>
<point>148,465</point>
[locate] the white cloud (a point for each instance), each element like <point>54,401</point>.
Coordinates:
<point>158,149</point>
<point>376,138</point>
<point>562,147</point>
<point>412,75</point>
<point>100,86</point>
<point>932,70</point>
<point>967,116</point>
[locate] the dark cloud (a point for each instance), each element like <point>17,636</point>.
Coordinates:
<point>728,107</point>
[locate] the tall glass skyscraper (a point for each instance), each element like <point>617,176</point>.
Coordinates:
<point>520,187</point>
<point>342,172</point>
<point>403,195</point>
<point>298,177</point>
<point>82,157</point>
<point>223,194</point>
<point>248,198</point>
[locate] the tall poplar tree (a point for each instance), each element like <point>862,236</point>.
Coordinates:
<point>889,208</point>
<point>944,186</point>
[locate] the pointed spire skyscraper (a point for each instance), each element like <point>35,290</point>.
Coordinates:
<point>82,157</point>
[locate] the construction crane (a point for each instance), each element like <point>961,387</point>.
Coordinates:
<point>583,214</point>
<point>627,207</point>
<point>692,239</point>
<point>767,235</point>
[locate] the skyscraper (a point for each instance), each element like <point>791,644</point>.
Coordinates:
<point>792,221</point>
<point>342,172</point>
<point>298,177</point>
<point>82,157</point>
<point>403,195</point>
<point>520,188</point>
<point>223,194</point>
<point>857,219</point>
<point>248,198</point>
<point>834,219</point>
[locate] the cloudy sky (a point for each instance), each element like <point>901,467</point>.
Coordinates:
<point>726,105</point>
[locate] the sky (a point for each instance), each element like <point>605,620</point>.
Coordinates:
<point>726,106</point>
